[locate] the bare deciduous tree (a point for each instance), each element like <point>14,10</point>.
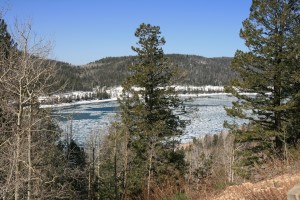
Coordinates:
<point>27,168</point>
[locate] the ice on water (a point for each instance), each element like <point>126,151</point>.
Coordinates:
<point>206,113</point>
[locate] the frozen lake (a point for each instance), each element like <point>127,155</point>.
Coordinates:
<point>206,113</point>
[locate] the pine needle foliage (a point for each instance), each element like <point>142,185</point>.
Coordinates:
<point>269,69</point>
<point>148,107</point>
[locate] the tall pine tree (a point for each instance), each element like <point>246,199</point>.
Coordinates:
<point>147,110</point>
<point>269,69</point>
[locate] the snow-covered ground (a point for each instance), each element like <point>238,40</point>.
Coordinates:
<point>115,92</point>
<point>188,89</point>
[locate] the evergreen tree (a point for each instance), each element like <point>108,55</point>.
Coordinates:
<point>269,69</point>
<point>6,42</point>
<point>6,46</point>
<point>293,127</point>
<point>147,110</point>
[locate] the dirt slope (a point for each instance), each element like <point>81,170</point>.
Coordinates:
<point>272,189</point>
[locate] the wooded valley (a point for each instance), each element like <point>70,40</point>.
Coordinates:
<point>139,155</point>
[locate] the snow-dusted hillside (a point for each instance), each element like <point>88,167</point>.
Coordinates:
<point>80,97</point>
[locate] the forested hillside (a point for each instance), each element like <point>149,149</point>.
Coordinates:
<point>203,71</point>
<point>111,71</point>
<point>139,154</point>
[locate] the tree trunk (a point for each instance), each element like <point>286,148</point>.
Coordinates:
<point>125,166</point>
<point>29,152</point>
<point>149,171</point>
<point>115,169</point>
<point>29,166</point>
<point>17,169</point>
<point>18,135</point>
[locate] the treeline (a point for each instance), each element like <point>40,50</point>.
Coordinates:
<point>201,71</point>
<point>112,71</point>
<point>70,78</point>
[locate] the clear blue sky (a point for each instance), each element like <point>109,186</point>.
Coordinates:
<point>87,30</point>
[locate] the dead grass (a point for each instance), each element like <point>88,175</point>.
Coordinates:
<point>270,181</point>
<point>275,189</point>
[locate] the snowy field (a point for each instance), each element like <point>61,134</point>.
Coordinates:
<point>206,113</point>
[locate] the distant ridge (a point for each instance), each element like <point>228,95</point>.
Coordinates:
<point>111,71</point>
